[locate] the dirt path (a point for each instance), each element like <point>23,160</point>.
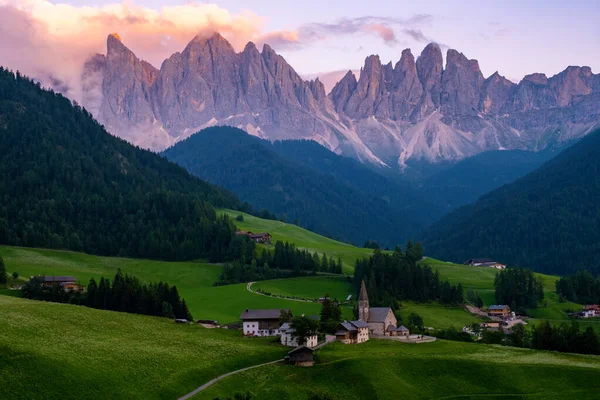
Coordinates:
<point>218,378</point>
<point>328,339</point>
<point>249,288</point>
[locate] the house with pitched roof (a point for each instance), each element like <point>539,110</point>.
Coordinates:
<point>261,322</point>
<point>288,339</point>
<point>352,332</point>
<point>498,310</point>
<point>377,318</point>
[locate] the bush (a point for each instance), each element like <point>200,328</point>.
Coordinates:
<point>240,218</point>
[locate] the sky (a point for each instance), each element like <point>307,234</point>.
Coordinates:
<point>315,36</point>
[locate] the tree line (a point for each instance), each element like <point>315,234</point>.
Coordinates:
<point>126,293</point>
<point>284,260</point>
<point>65,183</point>
<point>518,288</point>
<point>580,287</point>
<point>398,276</point>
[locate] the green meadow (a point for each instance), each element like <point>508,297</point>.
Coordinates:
<point>308,287</point>
<point>57,351</point>
<point>380,369</point>
<point>302,238</point>
<point>194,280</point>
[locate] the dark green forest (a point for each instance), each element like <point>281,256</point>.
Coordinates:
<point>548,220</point>
<point>349,202</point>
<point>518,288</point>
<point>395,277</point>
<point>65,183</point>
<point>580,287</point>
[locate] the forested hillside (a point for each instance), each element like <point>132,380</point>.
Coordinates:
<point>66,183</point>
<point>469,179</point>
<point>349,203</point>
<point>548,220</point>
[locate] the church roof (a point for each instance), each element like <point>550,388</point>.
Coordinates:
<point>402,328</point>
<point>378,314</point>
<point>363,292</point>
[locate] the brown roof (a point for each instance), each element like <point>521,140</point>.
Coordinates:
<point>259,235</point>
<point>59,279</point>
<point>274,313</point>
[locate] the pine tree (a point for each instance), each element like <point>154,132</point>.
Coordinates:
<point>3,274</point>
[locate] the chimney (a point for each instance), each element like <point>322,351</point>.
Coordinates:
<point>247,310</point>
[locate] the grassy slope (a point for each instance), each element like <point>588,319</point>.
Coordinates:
<point>302,238</point>
<point>308,287</point>
<point>58,351</point>
<point>386,370</point>
<point>193,279</point>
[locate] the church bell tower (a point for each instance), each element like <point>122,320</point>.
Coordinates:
<point>363,303</point>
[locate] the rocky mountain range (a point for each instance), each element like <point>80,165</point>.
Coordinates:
<point>413,110</point>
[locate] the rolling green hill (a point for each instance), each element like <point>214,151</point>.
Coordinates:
<point>56,351</point>
<point>193,280</point>
<point>302,238</point>
<point>547,221</point>
<point>441,370</point>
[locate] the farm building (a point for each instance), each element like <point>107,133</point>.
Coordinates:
<point>484,262</point>
<point>288,339</point>
<point>261,237</point>
<point>261,322</point>
<point>391,330</point>
<point>301,357</point>
<point>378,318</point>
<point>498,310</point>
<point>68,283</point>
<point>352,332</point>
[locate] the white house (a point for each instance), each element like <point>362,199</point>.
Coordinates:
<point>261,322</point>
<point>287,338</point>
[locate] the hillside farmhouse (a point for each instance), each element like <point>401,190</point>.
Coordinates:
<point>484,262</point>
<point>256,237</point>
<point>352,332</point>
<point>288,339</point>
<point>381,320</point>
<point>498,311</point>
<point>68,283</point>
<point>261,322</point>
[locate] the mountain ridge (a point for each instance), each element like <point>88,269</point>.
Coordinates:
<point>413,110</point>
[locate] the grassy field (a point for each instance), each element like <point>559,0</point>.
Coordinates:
<point>193,279</point>
<point>440,370</point>
<point>308,287</point>
<point>438,316</point>
<point>56,351</point>
<point>302,238</point>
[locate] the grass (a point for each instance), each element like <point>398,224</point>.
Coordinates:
<point>440,370</point>
<point>438,316</point>
<point>56,351</point>
<point>308,287</point>
<point>193,279</point>
<point>302,238</point>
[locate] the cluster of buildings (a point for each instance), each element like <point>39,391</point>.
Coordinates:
<point>372,322</point>
<point>264,237</point>
<point>484,262</point>
<point>588,311</point>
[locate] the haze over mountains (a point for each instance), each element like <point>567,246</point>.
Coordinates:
<point>393,114</point>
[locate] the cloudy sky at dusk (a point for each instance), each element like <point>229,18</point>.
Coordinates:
<point>315,36</point>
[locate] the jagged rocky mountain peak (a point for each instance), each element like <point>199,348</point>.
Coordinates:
<point>415,109</point>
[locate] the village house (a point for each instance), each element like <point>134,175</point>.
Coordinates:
<point>301,357</point>
<point>261,322</point>
<point>261,237</point>
<point>400,331</point>
<point>68,283</point>
<point>352,332</point>
<point>484,262</point>
<point>378,318</point>
<point>499,311</point>
<point>288,339</point>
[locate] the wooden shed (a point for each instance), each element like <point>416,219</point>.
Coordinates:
<point>301,357</point>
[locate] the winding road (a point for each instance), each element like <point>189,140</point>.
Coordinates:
<point>249,288</point>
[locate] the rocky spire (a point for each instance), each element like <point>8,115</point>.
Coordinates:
<point>369,88</point>
<point>429,70</point>
<point>341,92</point>
<point>495,93</point>
<point>363,303</point>
<point>462,81</point>
<point>406,87</point>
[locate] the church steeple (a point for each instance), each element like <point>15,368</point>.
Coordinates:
<point>363,303</point>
